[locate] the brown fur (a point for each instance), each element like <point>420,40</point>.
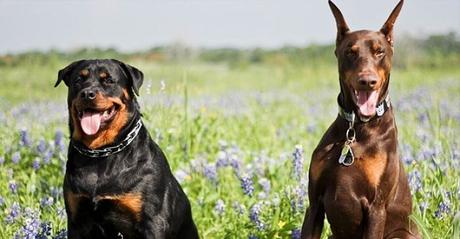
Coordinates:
<point>103,75</point>
<point>84,73</point>
<point>131,202</point>
<point>373,167</point>
<point>371,197</point>
<point>73,199</point>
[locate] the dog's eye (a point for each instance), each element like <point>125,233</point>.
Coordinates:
<point>379,52</point>
<point>108,79</point>
<point>350,53</point>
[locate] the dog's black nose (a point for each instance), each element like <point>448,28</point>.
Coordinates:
<point>369,81</point>
<point>88,94</point>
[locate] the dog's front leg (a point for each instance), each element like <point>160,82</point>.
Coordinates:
<point>155,227</point>
<point>313,222</point>
<point>376,216</point>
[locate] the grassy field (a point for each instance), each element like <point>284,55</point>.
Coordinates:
<point>238,138</point>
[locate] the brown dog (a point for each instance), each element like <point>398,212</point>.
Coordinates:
<point>356,177</point>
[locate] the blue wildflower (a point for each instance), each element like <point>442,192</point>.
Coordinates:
<point>198,164</point>
<point>36,163</point>
<point>41,147</point>
<point>311,128</point>
<point>406,154</point>
<point>297,161</point>
<point>31,226</point>
<point>61,212</point>
<point>423,206</point>
<point>24,138</point>
<point>2,160</point>
<point>222,159</point>
<point>2,201</point>
<point>16,157</point>
<point>46,201</point>
<point>265,184</point>
<point>298,196</point>
<point>247,185</point>
<point>415,180</point>
<point>47,157</point>
<point>59,140</point>
<point>210,172</point>
<point>45,230</point>
<point>422,117</point>
<point>62,234</point>
<point>238,207</point>
<point>181,175</point>
<point>55,191</point>
<point>254,215</point>
<point>13,186</point>
<point>236,165</point>
<point>443,209</point>
<point>219,208</point>
<point>15,210</point>
<point>295,234</point>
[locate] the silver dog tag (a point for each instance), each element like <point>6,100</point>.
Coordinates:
<point>346,157</point>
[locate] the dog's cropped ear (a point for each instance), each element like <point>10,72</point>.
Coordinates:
<point>135,76</point>
<point>387,28</point>
<point>64,74</point>
<point>342,27</point>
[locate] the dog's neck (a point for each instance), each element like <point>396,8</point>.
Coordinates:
<point>124,139</point>
<point>352,117</point>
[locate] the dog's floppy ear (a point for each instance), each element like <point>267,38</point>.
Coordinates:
<point>135,76</point>
<point>387,28</point>
<point>342,27</point>
<point>64,74</point>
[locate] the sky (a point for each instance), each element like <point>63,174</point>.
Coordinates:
<point>130,25</point>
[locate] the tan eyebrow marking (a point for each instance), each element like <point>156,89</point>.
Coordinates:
<point>84,73</point>
<point>103,75</point>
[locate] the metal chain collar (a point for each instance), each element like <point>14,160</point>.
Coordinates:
<point>98,153</point>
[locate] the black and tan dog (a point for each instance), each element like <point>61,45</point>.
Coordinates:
<point>118,183</point>
<point>356,177</point>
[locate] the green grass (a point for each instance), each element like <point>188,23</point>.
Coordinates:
<point>260,112</point>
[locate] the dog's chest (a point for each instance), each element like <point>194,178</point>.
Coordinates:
<point>99,197</point>
<point>99,178</point>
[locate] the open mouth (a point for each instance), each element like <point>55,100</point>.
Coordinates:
<point>366,100</point>
<point>91,120</point>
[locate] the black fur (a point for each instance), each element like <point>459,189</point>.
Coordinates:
<point>140,169</point>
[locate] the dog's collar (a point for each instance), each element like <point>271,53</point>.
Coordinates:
<point>105,152</point>
<point>381,108</point>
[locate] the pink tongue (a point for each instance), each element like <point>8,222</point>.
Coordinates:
<point>90,122</point>
<point>367,102</point>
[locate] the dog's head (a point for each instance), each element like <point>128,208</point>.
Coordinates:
<point>364,59</point>
<point>101,99</point>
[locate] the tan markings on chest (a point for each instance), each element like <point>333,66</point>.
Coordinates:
<point>73,199</point>
<point>131,202</point>
<point>373,167</point>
